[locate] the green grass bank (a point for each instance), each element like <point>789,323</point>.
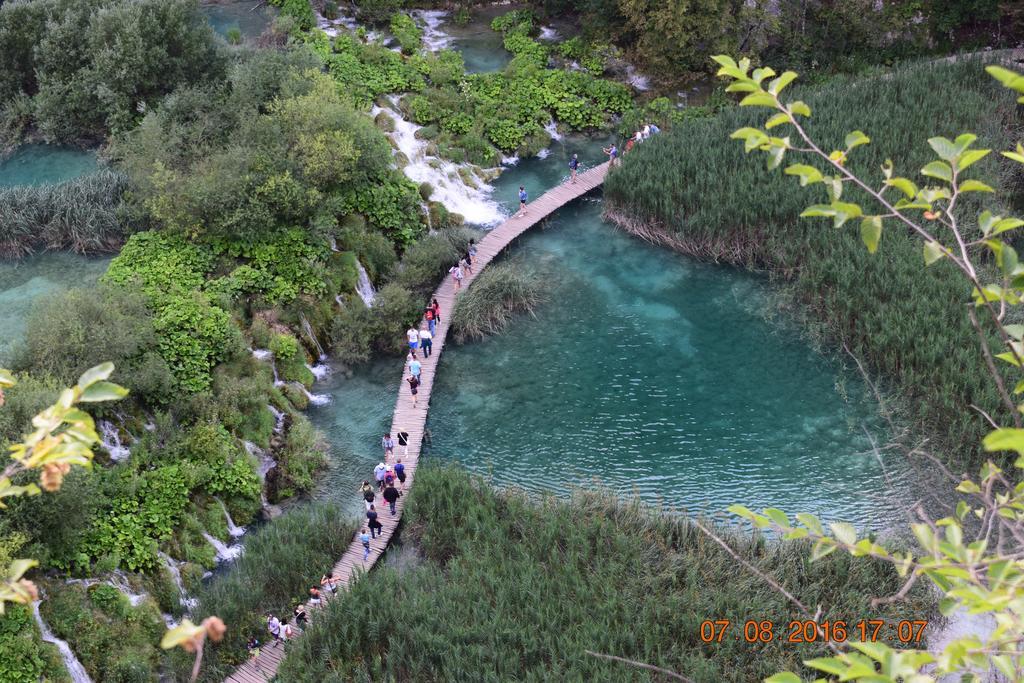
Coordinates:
<point>694,190</point>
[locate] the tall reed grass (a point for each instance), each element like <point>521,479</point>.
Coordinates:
<point>499,293</point>
<point>510,589</point>
<point>80,214</point>
<point>281,561</point>
<point>695,190</point>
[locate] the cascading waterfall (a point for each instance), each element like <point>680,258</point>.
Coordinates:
<point>315,399</point>
<point>233,529</point>
<point>365,288</point>
<point>187,603</point>
<point>308,329</point>
<point>429,21</point>
<point>472,200</point>
<point>110,439</point>
<point>552,130</point>
<point>266,463</point>
<point>225,553</point>
<point>547,33</point>
<point>320,370</point>
<point>266,354</point>
<point>278,418</point>
<point>637,79</point>
<point>75,669</point>
<point>119,580</point>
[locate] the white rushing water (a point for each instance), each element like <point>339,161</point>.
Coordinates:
<point>308,329</point>
<point>333,27</point>
<point>278,418</point>
<point>187,603</point>
<point>430,21</point>
<point>552,130</point>
<point>267,355</point>
<point>637,79</point>
<point>110,439</point>
<point>225,553</point>
<point>472,200</point>
<point>547,33</point>
<point>320,370</point>
<point>119,580</point>
<point>233,529</point>
<point>365,288</point>
<point>75,669</point>
<point>315,399</point>
<point>544,153</point>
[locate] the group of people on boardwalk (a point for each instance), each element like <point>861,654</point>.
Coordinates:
<point>281,631</point>
<point>464,266</point>
<point>639,136</point>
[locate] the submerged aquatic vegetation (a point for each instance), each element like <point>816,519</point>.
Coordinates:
<point>694,190</point>
<point>514,589</point>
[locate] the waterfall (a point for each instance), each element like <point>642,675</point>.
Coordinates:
<point>547,33</point>
<point>110,439</point>
<point>365,288</point>
<point>544,153</point>
<point>265,354</point>
<point>75,669</point>
<point>278,418</point>
<point>267,463</point>
<point>119,580</point>
<point>430,21</point>
<point>340,301</point>
<point>552,130</point>
<point>315,399</point>
<point>637,79</point>
<point>187,603</point>
<point>333,242</point>
<point>473,201</point>
<point>233,529</point>
<point>225,553</point>
<point>320,370</point>
<point>308,329</point>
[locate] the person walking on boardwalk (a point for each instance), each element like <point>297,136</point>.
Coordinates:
<point>426,341</point>
<point>391,495</point>
<point>415,368</point>
<point>466,263</point>
<point>613,154</point>
<point>314,596</point>
<point>365,538</point>
<point>437,309</point>
<point>428,315</point>
<point>378,475</point>
<point>274,626</point>
<point>403,441</point>
<point>388,444</point>
<point>522,201</point>
<point>629,145</point>
<point>330,583</point>
<point>375,526</point>
<point>471,250</point>
<point>414,340</point>
<point>414,387</point>
<point>456,273</point>
<point>574,165</point>
<point>400,473</point>
<point>299,614</point>
<point>367,491</point>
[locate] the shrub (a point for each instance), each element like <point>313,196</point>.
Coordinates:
<point>499,293</point>
<point>298,460</point>
<point>234,36</point>
<point>406,32</point>
<point>281,561</point>
<point>21,656</point>
<point>425,263</point>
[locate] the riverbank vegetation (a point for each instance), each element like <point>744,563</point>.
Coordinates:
<point>909,326</point>
<point>500,293</point>
<point>511,588</point>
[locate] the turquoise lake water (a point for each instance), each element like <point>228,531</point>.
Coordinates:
<point>41,164</point>
<point>250,16</point>
<point>21,282</point>
<point>645,372</point>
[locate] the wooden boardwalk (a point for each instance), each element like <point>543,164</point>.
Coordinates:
<point>413,419</point>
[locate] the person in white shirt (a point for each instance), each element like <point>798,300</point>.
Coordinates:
<point>426,341</point>
<point>414,340</point>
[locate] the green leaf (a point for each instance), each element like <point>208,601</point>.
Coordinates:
<point>971,156</point>
<point>776,86</point>
<point>856,139</point>
<point>933,251</point>
<point>903,185</point>
<point>784,677</point>
<point>777,120</point>
<point>93,375</point>
<point>1010,79</point>
<point>777,516</point>
<point>1006,224</point>
<point>184,631</point>
<point>103,391</point>
<point>846,533</point>
<point>775,155</point>
<point>6,379</point>
<point>831,665</point>
<point>1004,439</point>
<point>823,548</point>
<point>811,522</point>
<point>938,169</point>
<point>758,100</point>
<point>808,174</point>
<point>871,232</point>
<point>800,108</point>
<point>945,148</point>
<point>974,186</point>
<point>762,73</point>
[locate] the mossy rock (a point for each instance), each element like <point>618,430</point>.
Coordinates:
<point>433,149</point>
<point>468,177</point>
<point>296,396</point>
<point>428,132</point>
<point>401,160</point>
<point>191,575</point>
<point>426,189</point>
<point>384,122</point>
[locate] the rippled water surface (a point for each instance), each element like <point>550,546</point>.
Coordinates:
<point>645,372</point>
<point>251,17</point>
<point>39,164</point>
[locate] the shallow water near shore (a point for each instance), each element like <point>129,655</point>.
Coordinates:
<point>41,164</point>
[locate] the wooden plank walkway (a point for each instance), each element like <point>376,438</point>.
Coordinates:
<point>412,419</point>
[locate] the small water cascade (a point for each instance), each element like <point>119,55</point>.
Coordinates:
<point>552,130</point>
<point>333,26</point>
<point>430,21</point>
<point>333,243</point>
<point>266,354</point>
<point>547,33</point>
<point>365,288</point>
<point>187,603</point>
<point>308,329</point>
<point>509,161</point>
<point>225,553</point>
<point>637,79</point>
<point>544,153</point>
<point>233,529</point>
<point>315,399</point>
<point>278,418</point>
<point>110,439</point>
<point>75,669</point>
<point>472,199</point>
<point>119,580</point>
<point>340,301</point>
<point>320,370</point>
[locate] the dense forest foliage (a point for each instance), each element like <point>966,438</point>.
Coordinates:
<point>909,325</point>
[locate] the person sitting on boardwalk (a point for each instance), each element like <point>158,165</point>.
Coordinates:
<point>522,201</point>
<point>378,474</point>
<point>391,495</point>
<point>388,444</point>
<point>414,387</point>
<point>365,539</point>
<point>414,340</point>
<point>613,154</point>
<point>400,473</point>
<point>457,276</point>
<point>375,526</point>
<point>574,165</point>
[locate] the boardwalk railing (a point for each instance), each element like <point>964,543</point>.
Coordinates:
<point>408,418</point>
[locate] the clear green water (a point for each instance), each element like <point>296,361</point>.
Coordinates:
<point>41,164</point>
<point>645,372</point>
<point>483,50</point>
<point>241,14</point>
<point>21,282</point>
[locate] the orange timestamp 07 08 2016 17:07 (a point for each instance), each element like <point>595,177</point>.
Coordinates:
<point>810,631</point>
